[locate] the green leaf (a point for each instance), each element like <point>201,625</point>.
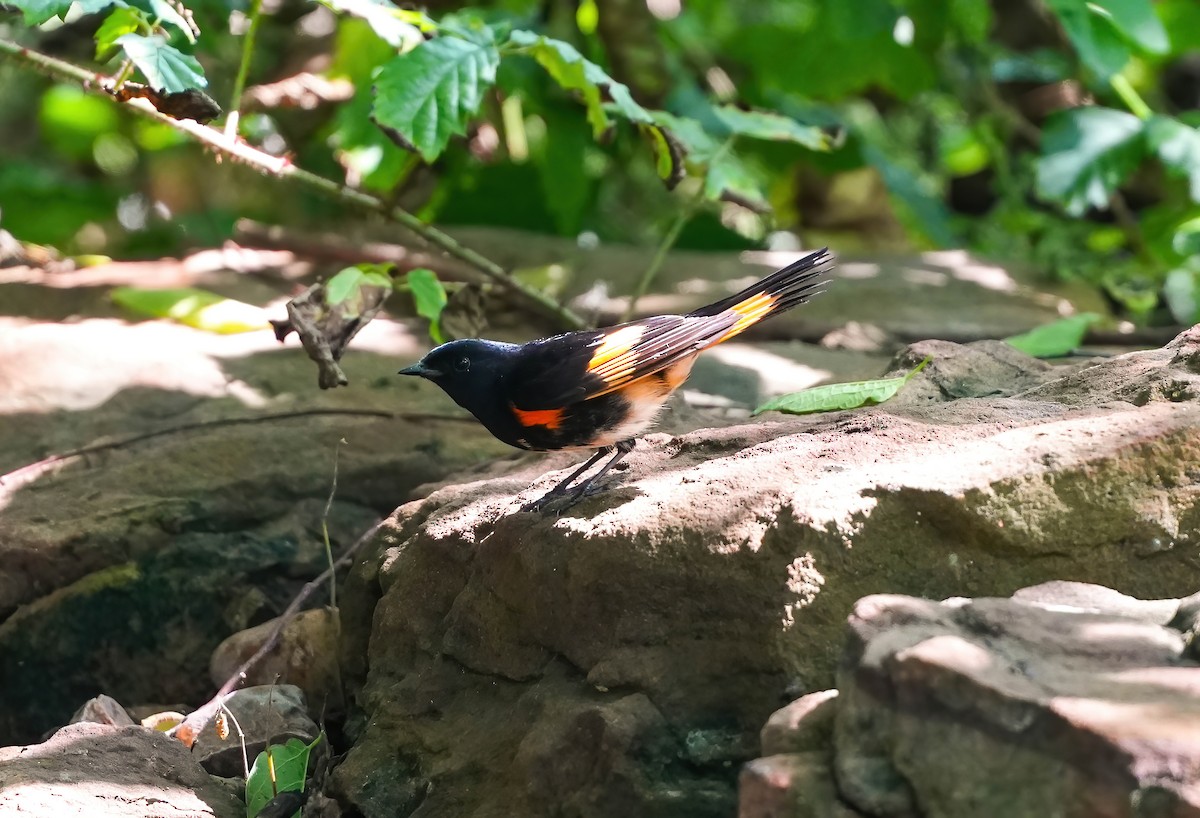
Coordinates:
<point>1095,37</point>
<point>1182,296</point>
<point>1178,148</point>
<point>194,308</point>
<point>731,179</point>
<point>430,298</point>
<point>165,12</point>
<point>1055,339</point>
<point>37,12</point>
<point>773,127</point>
<point>973,18</point>
<point>1185,240</point>
<point>1086,154</point>
<point>834,396</point>
<point>122,21</point>
<point>429,94</point>
<point>400,28</point>
<point>344,284</point>
<point>1137,20</point>
<point>571,70</point>
<point>165,68</point>
<point>345,288</point>
<point>288,762</point>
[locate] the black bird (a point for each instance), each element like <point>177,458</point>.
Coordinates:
<point>601,388</point>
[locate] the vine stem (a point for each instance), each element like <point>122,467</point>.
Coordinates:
<point>660,255</point>
<point>282,168</point>
<point>239,83</point>
<point>1129,95</point>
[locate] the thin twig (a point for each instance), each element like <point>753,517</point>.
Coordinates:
<point>325,526</point>
<point>282,168</point>
<point>239,84</point>
<point>187,730</point>
<point>30,472</point>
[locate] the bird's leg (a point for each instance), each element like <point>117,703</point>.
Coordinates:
<point>560,488</point>
<point>583,489</point>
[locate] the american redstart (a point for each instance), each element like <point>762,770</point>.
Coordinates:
<point>601,388</point>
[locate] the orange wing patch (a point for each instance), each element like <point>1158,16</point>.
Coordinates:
<point>550,418</point>
<point>614,346</point>
<point>750,311</point>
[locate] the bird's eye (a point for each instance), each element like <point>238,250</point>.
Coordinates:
<point>463,365</point>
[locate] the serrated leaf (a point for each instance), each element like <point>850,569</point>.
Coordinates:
<point>1178,148</point>
<point>37,12</point>
<point>1055,339</point>
<point>194,308</point>
<point>1086,154</point>
<point>731,179</point>
<point>1095,37</point>
<point>285,771</point>
<point>430,299</point>
<point>166,13</point>
<point>429,94</point>
<point>342,285</point>
<point>571,70</point>
<point>122,21</point>
<point>1138,22</point>
<point>164,67</point>
<point>400,28</point>
<point>835,396</point>
<point>773,127</point>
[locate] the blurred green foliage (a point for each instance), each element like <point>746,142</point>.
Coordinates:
<point>1060,134</point>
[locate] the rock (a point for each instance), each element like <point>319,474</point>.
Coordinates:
<point>266,714</point>
<point>122,570</point>
<point>1008,708</point>
<point>793,785</point>
<point>805,725</point>
<point>101,770</point>
<point>714,576</point>
<point>305,657</point>
<point>103,710</point>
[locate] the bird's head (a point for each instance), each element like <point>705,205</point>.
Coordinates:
<point>468,370</point>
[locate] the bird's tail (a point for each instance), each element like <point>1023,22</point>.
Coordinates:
<point>778,292</point>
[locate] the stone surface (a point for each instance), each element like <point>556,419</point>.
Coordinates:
<point>265,714</point>
<point>1010,708</point>
<point>793,785</point>
<point>103,710</point>
<point>100,770</point>
<point>711,582</point>
<point>305,657</point>
<point>805,725</point>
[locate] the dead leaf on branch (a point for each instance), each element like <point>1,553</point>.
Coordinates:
<point>326,331</point>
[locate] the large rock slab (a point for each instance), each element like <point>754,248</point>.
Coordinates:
<point>99,770</point>
<point>1067,699</point>
<point>645,634</point>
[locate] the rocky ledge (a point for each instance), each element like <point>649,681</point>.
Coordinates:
<point>621,658</point>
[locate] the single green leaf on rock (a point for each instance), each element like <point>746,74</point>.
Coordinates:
<point>429,94</point>
<point>165,68</point>
<point>285,771</point>
<point>122,21</point>
<point>194,308</point>
<point>775,128</point>
<point>835,396</point>
<point>1096,39</point>
<point>1178,147</point>
<point>571,70</point>
<point>430,299</point>
<point>1086,154</point>
<point>1055,339</point>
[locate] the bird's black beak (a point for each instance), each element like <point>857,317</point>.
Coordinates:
<point>420,370</point>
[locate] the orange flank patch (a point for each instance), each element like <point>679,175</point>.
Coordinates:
<point>750,311</point>
<point>550,418</point>
<point>614,345</point>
